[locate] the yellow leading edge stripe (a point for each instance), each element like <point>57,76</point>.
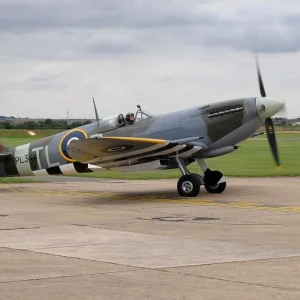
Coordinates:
<point>135,139</point>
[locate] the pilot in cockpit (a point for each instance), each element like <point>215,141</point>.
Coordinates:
<point>121,120</point>
<point>130,118</point>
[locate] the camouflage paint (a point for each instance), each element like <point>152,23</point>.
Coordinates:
<point>220,124</point>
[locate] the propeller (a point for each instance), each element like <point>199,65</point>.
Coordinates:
<point>269,126</point>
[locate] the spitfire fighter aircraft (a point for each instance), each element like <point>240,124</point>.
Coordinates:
<point>144,142</point>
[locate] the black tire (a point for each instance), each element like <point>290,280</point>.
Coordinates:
<point>211,180</point>
<point>189,185</point>
<point>212,177</point>
<point>216,189</point>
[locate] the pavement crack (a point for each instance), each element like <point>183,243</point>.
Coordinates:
<point>61,277</point>
<point>18,228</point>
<point>233,281</point>
<point>228,262</point>
<point>77,258</point>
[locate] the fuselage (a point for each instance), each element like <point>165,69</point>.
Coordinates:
<point>220,125</point>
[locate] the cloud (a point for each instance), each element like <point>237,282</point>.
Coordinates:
<point>35,15</point>
<point>116,26</point>
<point>112,42</point>
<point>169,53</point>
<point>265,27</point>
<point>44,76</point>
<point>47,72</point>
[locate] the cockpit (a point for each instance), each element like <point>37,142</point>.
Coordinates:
<point>131,119</point>
<point>120,120</point>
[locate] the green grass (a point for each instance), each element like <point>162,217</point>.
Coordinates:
<point>18,180</point>
<point>15,137</point>
<point>21,133</point>
<point>253,159</point>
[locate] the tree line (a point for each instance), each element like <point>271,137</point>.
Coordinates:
<point>43,124</point>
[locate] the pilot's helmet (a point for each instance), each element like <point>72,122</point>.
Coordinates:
<point>130,117</point>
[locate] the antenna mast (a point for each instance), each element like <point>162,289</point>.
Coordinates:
<point>97,116</point>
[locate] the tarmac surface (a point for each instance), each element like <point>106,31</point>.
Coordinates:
<point>116,239</point>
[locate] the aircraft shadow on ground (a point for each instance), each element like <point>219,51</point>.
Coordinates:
<point>166,195</point>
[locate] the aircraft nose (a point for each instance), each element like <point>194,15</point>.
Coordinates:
<point>268,106</point>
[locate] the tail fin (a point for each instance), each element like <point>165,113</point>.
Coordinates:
<point>4,151</point>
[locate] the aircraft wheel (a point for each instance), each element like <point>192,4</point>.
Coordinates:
<point>189,185</point>
<point>214,182</point>
<point>216,189</point>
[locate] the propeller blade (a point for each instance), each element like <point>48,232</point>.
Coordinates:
<point>269,126</point>
<point>272,140</point>
<point>260,82</point>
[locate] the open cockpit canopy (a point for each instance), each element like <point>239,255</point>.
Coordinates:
<point>113,122</point>
<point>141,115</point>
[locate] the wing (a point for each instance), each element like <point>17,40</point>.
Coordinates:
<point>123,151</point>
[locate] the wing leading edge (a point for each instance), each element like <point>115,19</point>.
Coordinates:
<point>123,151</point>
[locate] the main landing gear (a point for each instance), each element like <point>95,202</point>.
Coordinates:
<point>189,183</point>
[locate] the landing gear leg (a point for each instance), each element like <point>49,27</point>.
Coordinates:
<point>214,181</point>
<point>189,184</point>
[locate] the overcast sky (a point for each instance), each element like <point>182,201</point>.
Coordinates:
<point>165,55</point>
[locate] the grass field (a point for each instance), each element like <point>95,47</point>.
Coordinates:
<point>18,180</point>
<point>15,137</point>
<point>253,159</point>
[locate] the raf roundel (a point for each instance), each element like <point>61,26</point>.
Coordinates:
<point>77,134</point>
